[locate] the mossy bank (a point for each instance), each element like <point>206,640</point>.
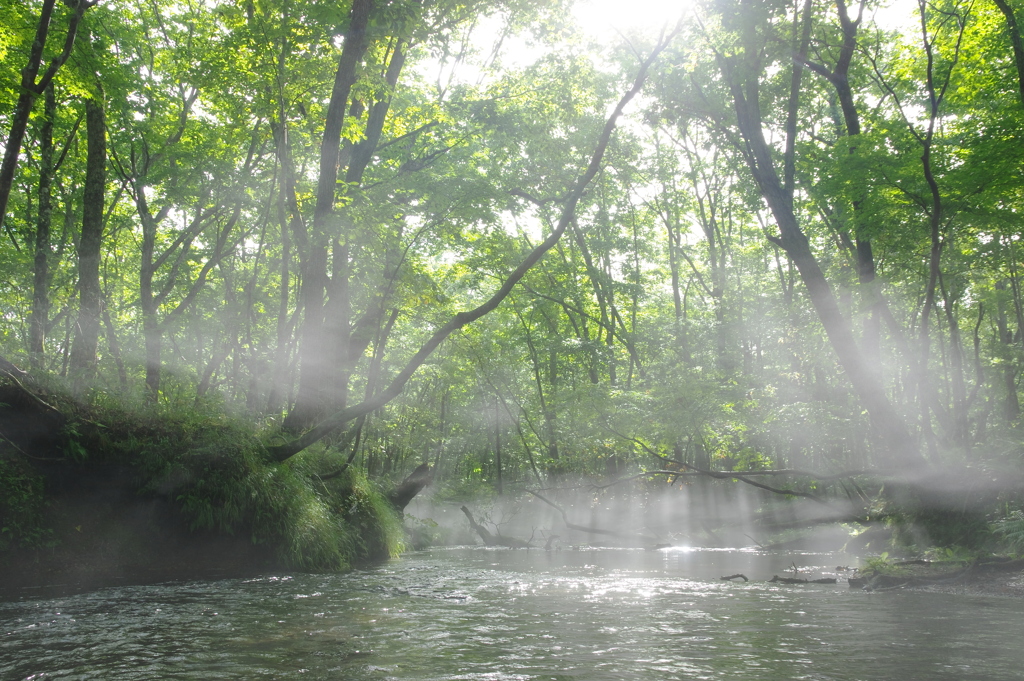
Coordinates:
<point>94,490</point>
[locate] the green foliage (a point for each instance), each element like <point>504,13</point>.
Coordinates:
<point>22,507</point>
<point>879,563</point>
<point>664,324</point>
<point>73,447</point>
<point>229,486</point>
<point>951,554</point>
<point>949,528</point>
<point>467,486</point>
<point>1010,530</point>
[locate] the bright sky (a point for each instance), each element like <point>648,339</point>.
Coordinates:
<point>605,21</point>
<point>609,22</point>
<point>603,18</point>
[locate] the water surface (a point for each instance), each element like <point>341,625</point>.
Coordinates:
<point>496,614</point>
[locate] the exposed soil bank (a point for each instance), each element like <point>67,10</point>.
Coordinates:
<point>106,539</point>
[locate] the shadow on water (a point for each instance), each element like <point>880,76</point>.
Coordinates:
<point>474,613</point>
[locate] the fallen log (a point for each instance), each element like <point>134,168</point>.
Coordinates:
<point>641,540</point>
<point>735,576</point>
<point>494,539</point>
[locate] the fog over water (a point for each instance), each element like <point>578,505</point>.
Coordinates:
<point>709,514</point>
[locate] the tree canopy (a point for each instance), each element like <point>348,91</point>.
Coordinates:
<point>773,236</point>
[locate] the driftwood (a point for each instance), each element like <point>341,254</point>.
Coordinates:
<point>792,580</point>
<point>494,539</point>
<point>735,576</point>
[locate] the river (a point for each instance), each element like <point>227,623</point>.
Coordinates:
<point>497,614</point>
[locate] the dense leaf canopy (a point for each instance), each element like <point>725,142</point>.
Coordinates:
<point>801,248</point>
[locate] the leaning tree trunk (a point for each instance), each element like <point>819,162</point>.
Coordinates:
<point>744,88</point>
<point>410,487</point>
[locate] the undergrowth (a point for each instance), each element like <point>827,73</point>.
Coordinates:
<point>1010,529</point>
<point>314,524</point>
<point>215,469</point>
<point>21,507</point>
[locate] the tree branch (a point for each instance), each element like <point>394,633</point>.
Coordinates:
<point>338,420</point>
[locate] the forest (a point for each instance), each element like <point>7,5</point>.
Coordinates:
<point>262,258</point>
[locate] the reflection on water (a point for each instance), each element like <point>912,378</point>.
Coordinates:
<point>487,614</point>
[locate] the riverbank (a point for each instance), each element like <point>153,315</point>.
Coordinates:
<point>95,543</point>
<point>995,576</point>
<point>1009,584</point>
<point>102,491</point>
<point>127,557</point>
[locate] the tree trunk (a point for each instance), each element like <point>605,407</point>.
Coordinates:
<point>1011,407</point>
<point>275,399</point>
<point>1015,40</point>
<point>83,351</point>
<point>31,88</point>
<point>318,376</point>
<point>115,347</point>
<point>865,259</point>
<point>745,94</point>
<point>497,447</point>
<point>147,301</point>
<point>41,265</point>
<point>290,220</point>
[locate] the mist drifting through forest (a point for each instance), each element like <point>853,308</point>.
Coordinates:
<point>731,273</point>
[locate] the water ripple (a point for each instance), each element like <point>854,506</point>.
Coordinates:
<point>484,614</point>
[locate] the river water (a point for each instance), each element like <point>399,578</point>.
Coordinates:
<point>497,614</point>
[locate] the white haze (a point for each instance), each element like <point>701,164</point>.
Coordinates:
<point>703,513</point>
